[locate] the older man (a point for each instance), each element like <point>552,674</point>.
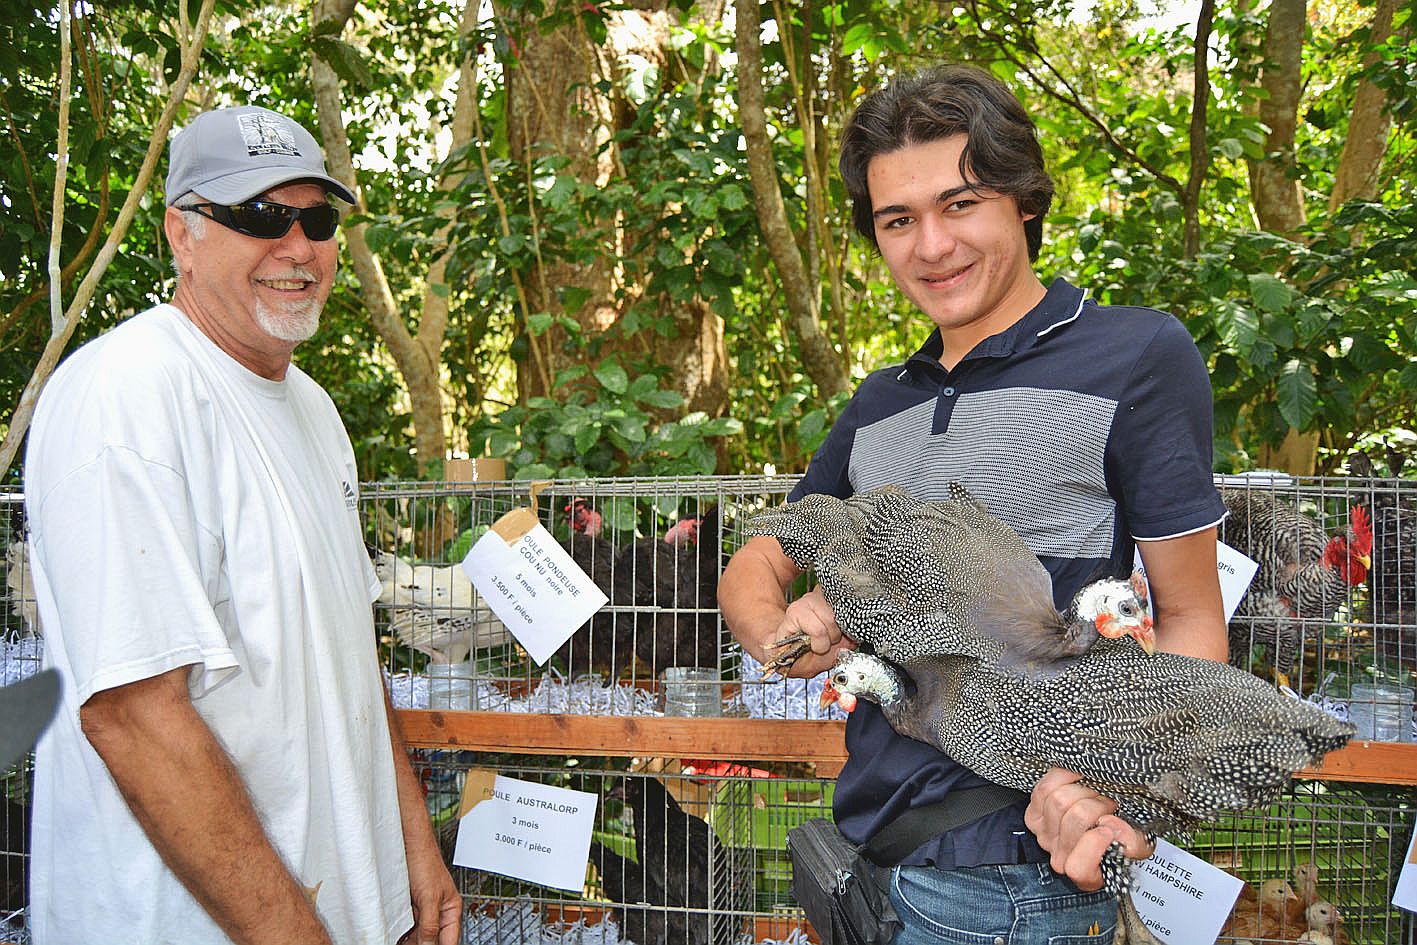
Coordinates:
<point>225,766</point>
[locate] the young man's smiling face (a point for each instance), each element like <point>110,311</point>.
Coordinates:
<point>960,255</point>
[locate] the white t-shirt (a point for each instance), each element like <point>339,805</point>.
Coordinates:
<point>185,511</point>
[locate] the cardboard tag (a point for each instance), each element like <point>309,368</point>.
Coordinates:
<point>525,830</point>
<point>1404,896</point>
<point>1182,898</point>
<point>1235,570</point>
<point>531,583</point>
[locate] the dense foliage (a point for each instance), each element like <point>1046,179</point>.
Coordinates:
<point>1305,331</point>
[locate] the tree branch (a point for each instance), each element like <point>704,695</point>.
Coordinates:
<point>1068,96</point>
<point>1200,154</point>
<point>157,143</point>
<point>819,359</point>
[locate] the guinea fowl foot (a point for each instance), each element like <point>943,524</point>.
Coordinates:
<point>798,646</point>
<point>1116,870</point>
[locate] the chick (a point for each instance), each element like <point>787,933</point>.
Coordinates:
<point>1262,917</point>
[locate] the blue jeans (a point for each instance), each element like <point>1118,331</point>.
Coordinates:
<point>1022,904</point>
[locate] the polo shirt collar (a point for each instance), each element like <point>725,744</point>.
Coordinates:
<point>1060,306</point>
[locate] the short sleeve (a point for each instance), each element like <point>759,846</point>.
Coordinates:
<point>1159,453</point>
<point>130,575</point>
<point>829,471</point>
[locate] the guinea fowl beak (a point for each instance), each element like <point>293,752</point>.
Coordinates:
<point>829,695</point>
<point>1146,637</point>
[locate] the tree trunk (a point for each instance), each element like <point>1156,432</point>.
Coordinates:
<point>419,358</point>
<point>801,293</point>
<point>1274,179</point>
<point>1297,455</point>
<point>1200,154</point>
<point>1368,126</point>
<point>557,104</point>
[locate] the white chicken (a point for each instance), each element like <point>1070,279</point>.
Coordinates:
<point>436,609</point>
<point>19,583</point>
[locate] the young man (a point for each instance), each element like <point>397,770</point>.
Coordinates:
<point>224,767</point>
<point>1087,428</point>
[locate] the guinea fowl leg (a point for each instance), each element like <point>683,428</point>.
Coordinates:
<point>796,646</point>
<point>1131,930</point>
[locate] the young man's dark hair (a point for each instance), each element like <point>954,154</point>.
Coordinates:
<point>1002,153</point>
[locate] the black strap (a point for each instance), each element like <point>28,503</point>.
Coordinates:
<point>900,837</point>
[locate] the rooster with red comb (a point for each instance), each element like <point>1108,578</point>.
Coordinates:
<point>1304,573</point>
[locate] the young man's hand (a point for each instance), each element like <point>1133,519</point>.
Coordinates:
<point>1076,825</point>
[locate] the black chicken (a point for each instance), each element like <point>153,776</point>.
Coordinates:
<point>949,598</point>
<point>673,583</point>
<point>639,900</point>
<point>15,859</point>
<point>678,850</point>
<point>596,647</point>
<point>1304,574</point>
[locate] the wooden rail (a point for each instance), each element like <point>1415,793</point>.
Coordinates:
<point>759,740</point>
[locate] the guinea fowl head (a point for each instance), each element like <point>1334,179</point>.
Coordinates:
<point>1349,554</point>
<point>859,676</point>
<point>1117,609</point>
<point>584,519</point>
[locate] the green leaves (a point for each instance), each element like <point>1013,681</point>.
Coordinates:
<point>1269,292</point>
<point>612,377</point>
<point>347,62</point>
<point>1298,394</point>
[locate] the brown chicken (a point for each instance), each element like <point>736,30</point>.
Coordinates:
<point>1262,917</point>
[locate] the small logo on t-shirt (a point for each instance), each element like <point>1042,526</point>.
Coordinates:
<point>351,501</point>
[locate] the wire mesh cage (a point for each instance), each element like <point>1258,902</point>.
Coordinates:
<point>1352,839</point>
<point>20,655</point>
<point>655,546</point>
<point>1311,620</point>
<point>1330,611</point>
<point>671,856</point>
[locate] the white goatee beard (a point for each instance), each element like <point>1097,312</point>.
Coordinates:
<point>297,322</point>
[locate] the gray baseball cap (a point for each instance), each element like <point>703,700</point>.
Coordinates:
<point>230,155</point>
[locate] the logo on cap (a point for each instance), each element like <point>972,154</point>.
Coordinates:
<point>267,134</point>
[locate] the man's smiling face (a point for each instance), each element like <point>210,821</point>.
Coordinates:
<point>959,254</point>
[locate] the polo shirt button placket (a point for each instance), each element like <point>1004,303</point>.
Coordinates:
<point>947,391</point>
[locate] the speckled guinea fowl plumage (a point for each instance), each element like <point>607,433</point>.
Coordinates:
<point>868,553</point>
<point>1174,740</point>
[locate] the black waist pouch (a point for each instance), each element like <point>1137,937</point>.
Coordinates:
<point>843,893</point>
<point>843,888</point>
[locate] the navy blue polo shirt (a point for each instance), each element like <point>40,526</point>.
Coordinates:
<point>1084,427</point>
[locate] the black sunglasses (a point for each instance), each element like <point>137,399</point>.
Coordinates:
<point>266,220</point>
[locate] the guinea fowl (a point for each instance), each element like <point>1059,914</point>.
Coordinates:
<point>950,596</point>
<point>1304,574</point>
